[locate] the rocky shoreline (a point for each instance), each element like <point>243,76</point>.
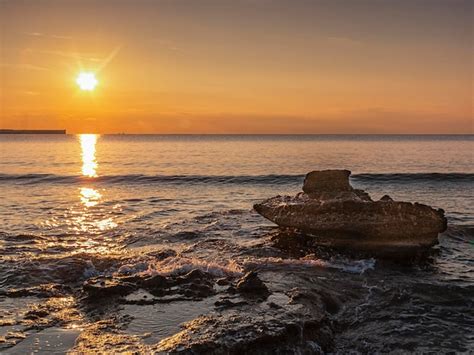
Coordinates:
<point>286,298</point>
<point>277,291</point>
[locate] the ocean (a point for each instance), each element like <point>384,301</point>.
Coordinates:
<point>75,208</point>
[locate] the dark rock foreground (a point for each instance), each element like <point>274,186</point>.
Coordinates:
<point>339,216</point>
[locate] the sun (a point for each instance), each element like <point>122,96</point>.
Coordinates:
<point>86,81</point>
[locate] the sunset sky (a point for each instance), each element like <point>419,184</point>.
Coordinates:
<point>250,66</point>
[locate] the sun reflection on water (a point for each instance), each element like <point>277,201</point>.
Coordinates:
<point>88,220</point>
<point>89,197</point>
<point>87,225</point>
<point>89,162</point>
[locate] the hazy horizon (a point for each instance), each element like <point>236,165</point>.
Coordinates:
<point>239,134</point>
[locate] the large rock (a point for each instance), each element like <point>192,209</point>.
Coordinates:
<point>342,217</point>
<point>327,181</point>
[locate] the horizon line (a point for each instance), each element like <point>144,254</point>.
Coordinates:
<point>243,134</point>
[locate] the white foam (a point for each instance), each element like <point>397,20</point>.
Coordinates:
<point>351,266</point>
<point>130,269</point>
<point>177,265</point>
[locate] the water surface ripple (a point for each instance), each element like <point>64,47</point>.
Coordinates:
<point>77,207</point>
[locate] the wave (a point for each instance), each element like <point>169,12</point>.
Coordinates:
<point>346,265</point>
<point>415,177</point>
<point>178,265</point>
<point>140,178</point>
<point>271,179</point>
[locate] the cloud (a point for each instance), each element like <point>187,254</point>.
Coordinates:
<point>40,34</point>
<point>74,55</point>
<point>110,57</point>
<point>93,57</point>
<point>24,67</point>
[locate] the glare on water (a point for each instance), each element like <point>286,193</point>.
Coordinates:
<point>89,217</point>
<point>89,197</point>
<point>89,163</point>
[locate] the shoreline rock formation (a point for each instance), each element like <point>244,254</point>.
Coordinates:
<point>339,216</point>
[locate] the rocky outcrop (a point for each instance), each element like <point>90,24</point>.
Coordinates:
<point>340,216</point>
<point>194,285</point>
<point>327,181</point>
<point>250,284</point>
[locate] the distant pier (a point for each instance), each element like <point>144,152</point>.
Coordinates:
<point>32,131</point>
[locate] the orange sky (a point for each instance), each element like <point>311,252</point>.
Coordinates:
<point>245,66</point>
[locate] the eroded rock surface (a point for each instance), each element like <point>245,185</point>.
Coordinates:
<point>340,216</point>
<point>327,181</point>
<point>237,333</point>
<point>193,285</point>
<point>250,284</point>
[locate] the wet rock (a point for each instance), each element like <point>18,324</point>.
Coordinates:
<point>251,284</point>
<point>227,303</point>
<point>10,339</point>
<point>36,313</point>
<point>195,274</point>
<point>199,290</point>
<point>222,282</point>
<point>134,279</point>
<point>162,254</point>
<point>273,331</point>
<point>331,303</point>
<point>231,289</point>
<point>188,293</point>
<point>296,295</point>
<point>338,216</point>
<point>41,291</point>
<point>105,287</point>
<point>273,305</point>
<point>105,337</point>
<point>140,297</point>
<point>156,281</point>
<point>196,284</point>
